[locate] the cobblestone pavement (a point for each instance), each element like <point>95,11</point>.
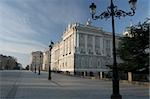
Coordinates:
<point>28,85</point>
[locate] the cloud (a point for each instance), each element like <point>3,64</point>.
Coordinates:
<point>16,33</point>
<point>37,20</point>
<point>20,46</point>
<point>29,25</point>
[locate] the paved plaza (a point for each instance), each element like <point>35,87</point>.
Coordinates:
<point>28,85</point>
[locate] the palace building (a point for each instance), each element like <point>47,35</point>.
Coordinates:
<point>84,49</point>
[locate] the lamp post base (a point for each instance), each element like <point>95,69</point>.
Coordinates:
<point>49,73</point>
<point>39,73</point>
<point>116,96</point>
<point>49,78</point>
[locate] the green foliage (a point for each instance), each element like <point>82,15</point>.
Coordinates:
<point>133,48</point>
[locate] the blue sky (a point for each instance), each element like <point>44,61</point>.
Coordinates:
<point>30,25</point>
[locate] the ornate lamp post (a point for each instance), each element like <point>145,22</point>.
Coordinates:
<point>49,69</point>
<point>112,11</point>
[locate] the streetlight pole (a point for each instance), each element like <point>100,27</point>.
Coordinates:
<point>35,69</point>
<point>39,71</point>
<point>1,61</point>
<point>112,12</point>
<point>35,64</point>
<point>49,72</point>
<point>115,78</point>
<point>49,69</point>
<point>40,66</point>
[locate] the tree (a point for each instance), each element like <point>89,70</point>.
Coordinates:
<point>7,62</point>
<point>133,48</point>
<point>27,67</point>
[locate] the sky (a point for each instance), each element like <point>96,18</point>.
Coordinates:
<point>30,25</point>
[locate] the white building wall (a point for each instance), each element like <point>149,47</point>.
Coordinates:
<point>55,57</point>
<point>46,60</point>
<point>83,48</point>
<point>37,60</point>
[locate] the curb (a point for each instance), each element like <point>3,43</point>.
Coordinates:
<point>107,79</point>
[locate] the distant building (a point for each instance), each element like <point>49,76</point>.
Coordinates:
<point>37,60</point>
<point>7,62</point>
<point>20,66</point>
<point>84,49</point>
<point>46,60</point>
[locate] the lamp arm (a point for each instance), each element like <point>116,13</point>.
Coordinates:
<point>121,13</point>
<point>117,13</point>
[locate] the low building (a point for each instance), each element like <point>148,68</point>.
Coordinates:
<point>7,62</point>
<point>37,60</point>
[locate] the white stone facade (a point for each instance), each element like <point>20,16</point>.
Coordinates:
<point>83,48</point>
<point>46,60</point>
<point>37,60</point>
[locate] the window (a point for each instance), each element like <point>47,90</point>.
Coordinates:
<point>97,51</point>
<point>90,51</point>
<point>108,51</point>
<point>97,42</point>
<point>97,45</point>
<point>90,41</point>
<point>81,40</point>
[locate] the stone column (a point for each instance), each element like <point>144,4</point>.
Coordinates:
<point>93,45</point>
<point>85,73</point>
<point>101,46</point>
<point>74,41</point>
<point>101,75</point>
<point>70,37</point>
<point>86,51</point>
<point>129,76</point>
<point>64,48</point>
<point>77,41</point>
<point>111,48</point>
<point>104,47</point>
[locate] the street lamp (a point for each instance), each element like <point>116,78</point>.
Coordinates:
<point>35,64</point>
<point>40,65</point>
<point>1,62</point>
<point>49,69</point>
<point>112,11</point>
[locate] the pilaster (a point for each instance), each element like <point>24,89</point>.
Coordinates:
<point>77,42</point>
<point>93,38</point>
<point>86,51</point>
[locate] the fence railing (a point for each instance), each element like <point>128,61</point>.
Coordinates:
<point>122,76</point>
<point>130,76</point>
